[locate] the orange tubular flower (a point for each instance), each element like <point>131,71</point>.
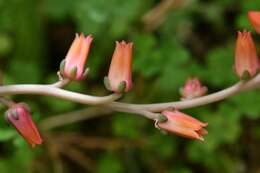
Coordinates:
<point>19,116</point>
<point>192,89</point>
<point>183,125</point>
<point>73,67</point>
<point>246,60</point>
<point>254,18</point>
<point>120,72</point>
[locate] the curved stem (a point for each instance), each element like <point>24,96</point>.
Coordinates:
<point>158,107</point>
<point>56,92</point>
<point>143,109</point>
<point>129,109</point>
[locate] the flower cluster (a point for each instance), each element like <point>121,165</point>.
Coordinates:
<point>120,72</point>
<point>246,66</point>
<point>119,81</point>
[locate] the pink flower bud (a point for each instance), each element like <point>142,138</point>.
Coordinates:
<point>19,116</point>
<point>254,18</point>
<point>183,125</point>
<point>192,89</point>
<point>120,71</point>
<point>73,67</point>
<point>246,60</point>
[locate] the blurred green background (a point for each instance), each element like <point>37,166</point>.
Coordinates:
<point>173,40</point>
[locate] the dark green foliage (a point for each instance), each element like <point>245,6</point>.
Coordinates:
<point>196,39</point>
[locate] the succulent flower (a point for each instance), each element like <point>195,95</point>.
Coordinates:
<point>192,89</point>
<point>20,117</point>
<point>183,125</point>
<point>73,66</point>
<point>246,59</point>
<point>120,72</point>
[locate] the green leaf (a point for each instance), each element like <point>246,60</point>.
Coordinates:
<point>219,70</point>
<point>127,125</point>
<point>246,103</point>
<point>7,134</point>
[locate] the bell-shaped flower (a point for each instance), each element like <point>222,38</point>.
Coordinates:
<point>246,59</point>
<point>20,117</point>
<point>254,18</point>
<point>73,66</point>
<point>192,89</point>
<point>183,125</point>
<point>120,72</point>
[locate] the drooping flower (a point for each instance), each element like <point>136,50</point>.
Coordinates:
<point>183,125</point>
<point>120,72</point>
<point>73,67</point>
<point>254,18</point>
<point>192,89</point>
<point>20,117</point>
<point>246,59</point>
